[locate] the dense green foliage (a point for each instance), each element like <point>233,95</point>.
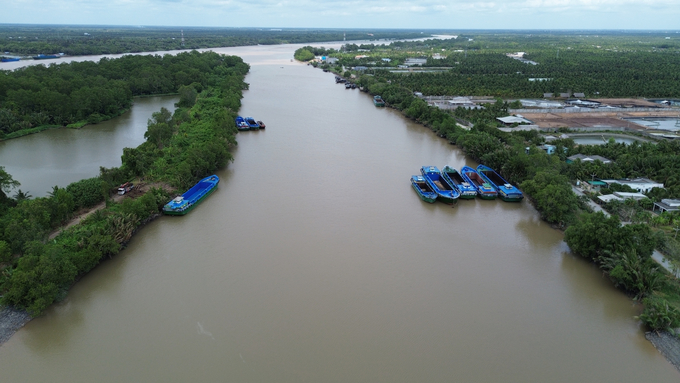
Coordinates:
<point>303,54</point>
<point>61,94</point>
<point>96,40</point>
<point>603,65</point>
<point>180,149</point>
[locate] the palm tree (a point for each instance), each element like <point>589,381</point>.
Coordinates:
<point>21,196</point>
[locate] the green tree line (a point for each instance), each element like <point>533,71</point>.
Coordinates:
<point>623,252</point>
<point>62,94</point>
<point>93,40</point>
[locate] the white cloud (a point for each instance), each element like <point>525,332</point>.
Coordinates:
<point>450,14</point>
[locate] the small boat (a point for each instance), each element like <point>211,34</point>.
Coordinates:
<point>446,192</point>
<point>261,124</point>
<point>252,124</point>
<point>423,189</point>
<point>484,189</point>
<point>183,204</point>
<point>348,85</point>
<point>45,57</point>
<point>506,191</point>
<point>241,123</point>
<point>467,191</point>
<point>378,101</point>
<point>9,59</point>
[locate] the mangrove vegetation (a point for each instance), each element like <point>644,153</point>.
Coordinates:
<point>180,148</point>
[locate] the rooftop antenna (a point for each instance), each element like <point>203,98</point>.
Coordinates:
<point>182,38</point>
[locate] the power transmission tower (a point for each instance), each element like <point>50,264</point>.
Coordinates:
<point>182,38</point>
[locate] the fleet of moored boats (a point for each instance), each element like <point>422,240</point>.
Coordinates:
<point>248,123</point>
<point>5,59</point>
<point>448,184</point>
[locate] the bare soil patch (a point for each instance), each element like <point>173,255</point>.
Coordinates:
<point>139,190</point>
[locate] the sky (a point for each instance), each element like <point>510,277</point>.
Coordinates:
<point>423,14</point>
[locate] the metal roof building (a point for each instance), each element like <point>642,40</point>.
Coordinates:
<point>667,205</point>
<point>509,120</point>
<point>643,185</point>
<point>586,158</point>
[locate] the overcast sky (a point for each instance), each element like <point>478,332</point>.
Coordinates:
<point>425,14</point>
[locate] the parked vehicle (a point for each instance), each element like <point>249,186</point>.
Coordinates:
<point>126,187</point>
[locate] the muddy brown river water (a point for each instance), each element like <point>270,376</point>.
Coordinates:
<point>315,261</point>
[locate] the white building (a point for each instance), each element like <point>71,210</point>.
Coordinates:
<point>509,120</point>
<point>415,61</point>
<point>667,205</point>
<point>635,196</point>
<point>642,185</point>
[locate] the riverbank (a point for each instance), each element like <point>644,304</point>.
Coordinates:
<point>197,142</point>
<point>559,207</point>
<point>667,344</point>
<point>79,124</point>
<point>11,320</point>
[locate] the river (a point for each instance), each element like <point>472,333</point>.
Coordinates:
<point>315,261</point>
<point>62,156</point>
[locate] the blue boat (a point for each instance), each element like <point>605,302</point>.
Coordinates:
<point>467,191</point>
<point>241,123</point>
<point>446,192</point>
<point>188,201</point>
<point>506,191</point>
<point>423,189</point>
<point>252,124</point>
<point>484,189</point>
<point>45,57</point>
<point>378,101</point>
<point>9,59</point>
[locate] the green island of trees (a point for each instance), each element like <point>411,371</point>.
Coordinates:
<point>76,93</point>
<point>609,65</point>
<point>180,148</point>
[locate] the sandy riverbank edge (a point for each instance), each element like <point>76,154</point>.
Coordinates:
<point>11,320</point>
<point>667,344</point>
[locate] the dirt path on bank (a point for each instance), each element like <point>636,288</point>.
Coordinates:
<point>139,190</point>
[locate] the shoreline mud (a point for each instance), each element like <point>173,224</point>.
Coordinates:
<point>11,320</point>
<point>667,344</point>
